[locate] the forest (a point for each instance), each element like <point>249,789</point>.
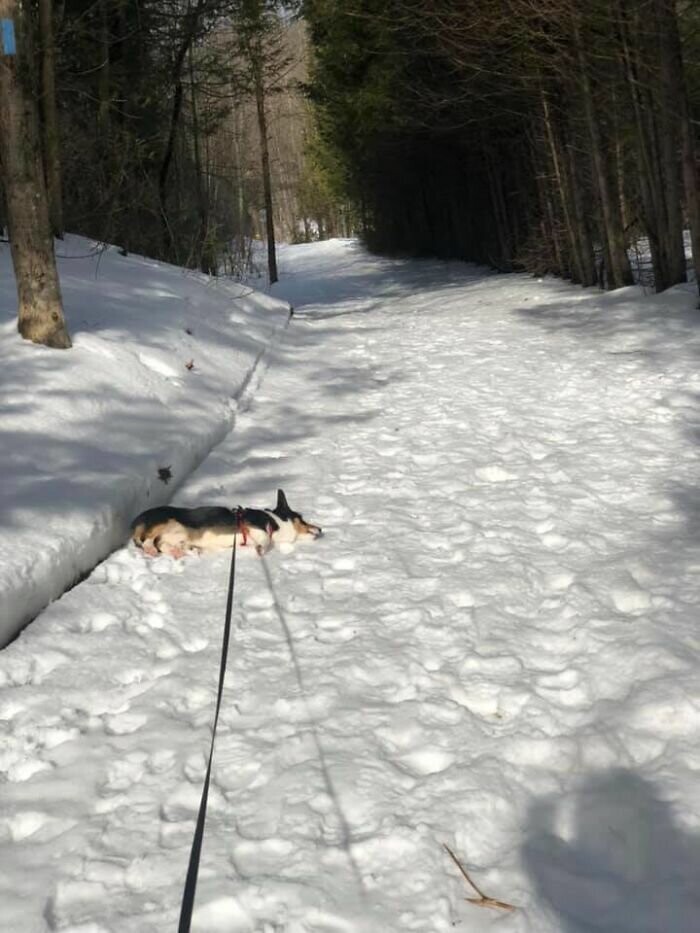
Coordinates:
<point>550,136</point>
<point>547,135</point>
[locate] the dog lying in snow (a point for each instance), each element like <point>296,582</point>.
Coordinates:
<point>178,531</point>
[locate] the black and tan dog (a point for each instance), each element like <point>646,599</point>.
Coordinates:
<point>178,531</point>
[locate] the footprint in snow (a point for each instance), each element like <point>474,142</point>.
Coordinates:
<point>339,586</point>
<point>192,701</point>
<point>331,629</point>
<point>183,803</point>
<point>344,564</point>
<point>563,688</point>
<point>426,760</point>
<point>303,710</point>
<point>494,474</point>
<point>75,904</point>
<point>123,774</point>
<point>124,723</point>
<point>261,856</point>
<point>630,600</point>
<point>24,672</point>
<point>223,915</point>
<point>33,823</point>
<point>101,621</point>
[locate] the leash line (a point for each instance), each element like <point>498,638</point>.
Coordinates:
<point>196,849</point>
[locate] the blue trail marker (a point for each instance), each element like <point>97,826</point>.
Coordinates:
<point>7,37</point>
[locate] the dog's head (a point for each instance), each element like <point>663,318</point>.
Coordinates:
<point>295,519</point>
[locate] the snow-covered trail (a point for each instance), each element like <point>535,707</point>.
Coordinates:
<point>494,646</point>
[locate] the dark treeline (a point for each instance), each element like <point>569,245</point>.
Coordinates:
<point>145,91</point>
<point>547,135</point>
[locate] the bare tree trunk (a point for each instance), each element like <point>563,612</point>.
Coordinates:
<point>500,212</point>
<point>51,139</point>
<point>670,137</point>
<point>189,31</point>
<point>578,272</point>
<point>266,177</point>
<point>581,222</point>
<point>103,76</point>
<point>243,225</point>
<point>619,271</point>
<point>205,259</point>
<point>676,76</point>
<point>40,317</point>
<point>652,211</point>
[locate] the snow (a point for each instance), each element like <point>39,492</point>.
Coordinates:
<point>494,646</point>
<point>83,434</point>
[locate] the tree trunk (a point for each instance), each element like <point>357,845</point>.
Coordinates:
<point>266,177</point>
<point>40,317</point>
<point>619,271</point>
<point>51,139</point>
<point>676,77</point>
<point>578,272</point>
<point>582,227</point>
<point>103,76</point>
<point>670,137</point>
<point>653,218</point>
<point>243,224</point>
<point>500,212</point>
<point>189,31</point>
<point>205,254</point>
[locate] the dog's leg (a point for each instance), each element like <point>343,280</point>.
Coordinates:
<point>175,549</point>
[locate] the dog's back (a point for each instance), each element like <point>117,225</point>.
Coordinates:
<point>153,523</point>
<point>201,517</point>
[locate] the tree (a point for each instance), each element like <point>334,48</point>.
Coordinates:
<point>51,144</point>
<point>262,63</point>
<point>575,119</point>
<point>191,24</point>
<point>40,317</point>
<point>673,54</point>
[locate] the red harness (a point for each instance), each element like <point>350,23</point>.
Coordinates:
<point>244,529</point>
<point>241,526</point>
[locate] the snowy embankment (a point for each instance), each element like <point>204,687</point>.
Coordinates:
<point>495,645</point>
<point>84,433</point>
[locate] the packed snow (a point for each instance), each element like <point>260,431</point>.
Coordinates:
<point>494,646</point>
<point>160,358</point>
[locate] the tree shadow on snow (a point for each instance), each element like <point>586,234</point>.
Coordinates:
<point>612,858</point>
<point>621,323</point>
<point>656,332</point>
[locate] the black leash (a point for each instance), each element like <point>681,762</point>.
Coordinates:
<point>195,851</point>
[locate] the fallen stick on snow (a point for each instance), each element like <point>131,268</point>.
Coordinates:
<point>482,900</point>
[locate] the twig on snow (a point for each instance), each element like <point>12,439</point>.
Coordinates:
<point>483,900</point>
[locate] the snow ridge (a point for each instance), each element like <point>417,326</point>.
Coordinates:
<point>160,364</point>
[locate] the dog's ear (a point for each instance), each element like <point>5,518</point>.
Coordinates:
<point>282,506</point>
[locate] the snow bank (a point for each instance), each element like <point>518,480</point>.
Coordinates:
<point>160,356</point>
